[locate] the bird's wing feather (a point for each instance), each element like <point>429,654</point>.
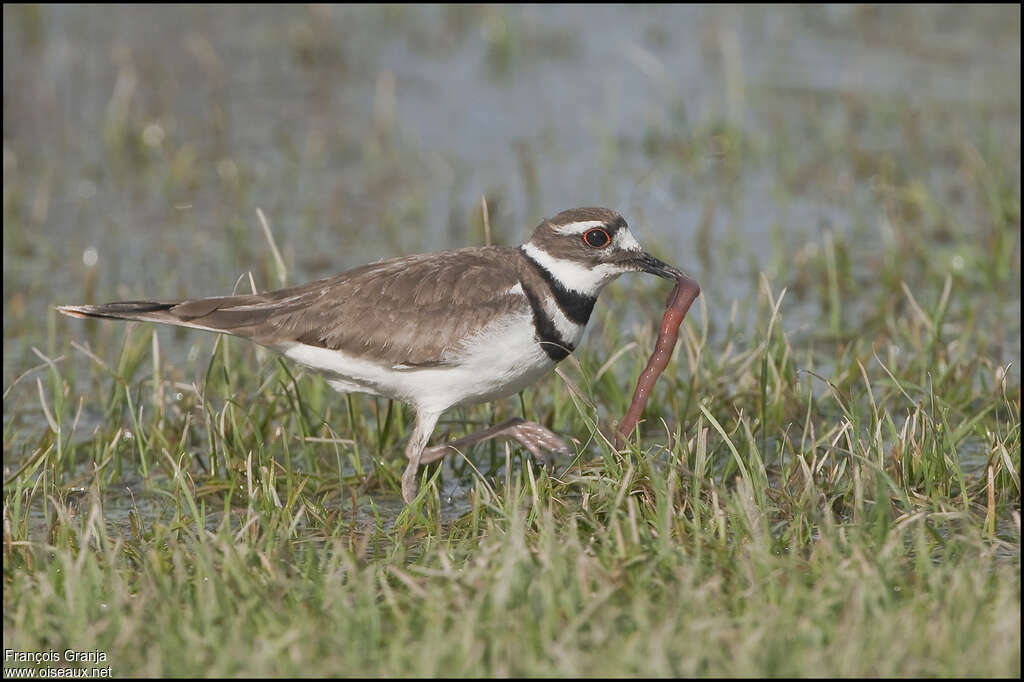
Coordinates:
<point>411,311</point>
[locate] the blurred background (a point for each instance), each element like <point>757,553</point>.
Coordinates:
<point>138,143</point>
<point>829,487</point>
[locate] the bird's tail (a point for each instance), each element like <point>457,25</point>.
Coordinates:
<point>176,313</point>
<point>143,311</point>
<point>238,315</point>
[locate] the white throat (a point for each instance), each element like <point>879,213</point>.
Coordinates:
<point>572,275</point>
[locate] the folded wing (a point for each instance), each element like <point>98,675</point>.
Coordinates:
<point>411,311</point>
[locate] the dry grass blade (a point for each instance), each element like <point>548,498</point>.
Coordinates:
<point>282,270</point>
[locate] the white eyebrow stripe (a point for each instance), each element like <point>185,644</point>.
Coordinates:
<point>625,240</point>
<point>579,227</point>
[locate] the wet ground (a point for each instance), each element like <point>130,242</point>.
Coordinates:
<point>139,141</point>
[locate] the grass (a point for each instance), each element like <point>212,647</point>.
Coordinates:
<point>828,478</point>
<point>773,521</point>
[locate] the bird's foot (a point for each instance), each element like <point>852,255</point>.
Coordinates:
<point>531,435</point>
<point>536,438</point>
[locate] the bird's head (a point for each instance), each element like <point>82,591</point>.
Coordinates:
<point>586,248</point>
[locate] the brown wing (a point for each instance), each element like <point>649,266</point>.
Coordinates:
<point>409,310</point>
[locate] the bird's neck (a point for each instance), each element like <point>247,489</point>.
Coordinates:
<point>574,277</point>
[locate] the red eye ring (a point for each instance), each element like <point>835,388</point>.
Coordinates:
<point>596,238</point>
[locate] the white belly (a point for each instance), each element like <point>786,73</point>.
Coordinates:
<point>501,360</point>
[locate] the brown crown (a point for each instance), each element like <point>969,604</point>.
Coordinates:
<point>575,215</point>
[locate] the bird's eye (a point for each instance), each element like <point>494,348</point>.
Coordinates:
<point>595,239</point>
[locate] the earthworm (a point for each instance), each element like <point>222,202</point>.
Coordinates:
<point>683,295</point>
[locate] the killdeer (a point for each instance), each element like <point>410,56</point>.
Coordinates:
<point>434,330</point>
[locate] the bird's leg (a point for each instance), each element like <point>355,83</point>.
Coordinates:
<point>424,426</point>
<point>531,435</point>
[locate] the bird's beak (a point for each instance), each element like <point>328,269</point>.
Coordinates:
<point>649,263</point>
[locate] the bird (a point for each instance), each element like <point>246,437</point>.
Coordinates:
<point>435,330</point>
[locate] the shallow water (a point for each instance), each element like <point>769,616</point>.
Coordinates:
<point>139,141</point>
<point>144,139</point>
